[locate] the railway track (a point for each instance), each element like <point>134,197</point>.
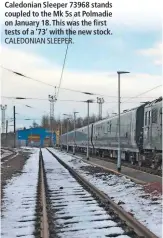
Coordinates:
<point>7,154</point>
<point>137,167</point>
<point>72,207</point>
<point>128,164</point>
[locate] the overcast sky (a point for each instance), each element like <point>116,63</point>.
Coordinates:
<point>91,66</point>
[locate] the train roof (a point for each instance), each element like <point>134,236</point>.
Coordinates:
<point>132,109</point>
<point>104,120</point>
<point>154,101</point>
<point>145,104</point>
<point>122,113</point>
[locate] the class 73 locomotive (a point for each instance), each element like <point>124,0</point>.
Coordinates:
<point>141,136</point>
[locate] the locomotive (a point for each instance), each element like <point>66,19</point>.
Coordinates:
<point>141,136</point>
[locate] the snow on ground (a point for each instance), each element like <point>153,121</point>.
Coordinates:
<point>27,149</point>
<point>77,214</point>
<point>132,197</point>
<point>5,153</point>
<point>10,158</point>
<point>18,209</point>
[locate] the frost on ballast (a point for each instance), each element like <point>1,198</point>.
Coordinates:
<point>130,196</point>
<point>75,213</point>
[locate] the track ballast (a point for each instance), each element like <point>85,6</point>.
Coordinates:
<point>76,208</point>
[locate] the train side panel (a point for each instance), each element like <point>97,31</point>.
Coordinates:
<point>81,137</point>
<point>141,135</point>
<point>153,127</point>
<point>106,133</point>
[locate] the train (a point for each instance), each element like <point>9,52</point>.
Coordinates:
<point>140,136</point>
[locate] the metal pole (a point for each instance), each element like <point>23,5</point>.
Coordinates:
<point>74,133</point>
<point>100,101</point>
<point>61,137</point>
<point>99,110</point>
<point>31,136</point>
<point>14,127</point>
<point>88,134</point>
<point>3,108</point>
<point>119,129</point>
<point>6,131</point>
<point>50,123</point>
<point>52,99</point>
<point>67,134</point>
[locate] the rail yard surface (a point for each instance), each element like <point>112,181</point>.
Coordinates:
<point>81,119</point>
<point>133,173</point>
<point>74,212</point>
<point>19,200</point>
<point>12,164</point>
<point>58,195</point>
<point>146,207</point>
<point>7,154</point>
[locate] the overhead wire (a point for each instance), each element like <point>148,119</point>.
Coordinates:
<point>61,100</point>
<point>137,96</point>
<point>26,98</point>
<point>22,75</point>
<point>64,63</point>
<point>26,116</point>
<point>31,107</point>
<point>142,93</point>
<point>39,81</point>
<point>73,90</point>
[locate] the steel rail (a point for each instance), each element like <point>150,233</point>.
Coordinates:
<point>44,217</point>
<point>139,228</point>
<point>7,157</point>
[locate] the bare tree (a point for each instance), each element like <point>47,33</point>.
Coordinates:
<point>34,125</point>
<point>45,122</point>
<point>80,122</point>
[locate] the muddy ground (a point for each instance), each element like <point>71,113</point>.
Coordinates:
<point>12,167</point>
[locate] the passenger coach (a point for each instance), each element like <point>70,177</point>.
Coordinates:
<point>141,135</point>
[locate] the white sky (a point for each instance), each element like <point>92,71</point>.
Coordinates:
<point>103,83</point>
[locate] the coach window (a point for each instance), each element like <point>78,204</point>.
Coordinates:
<point>98,131</point>
<point>146,118</point>
<point>109,127</point>
<point>149,118</point>
<point>154,116</point>
<point>161,116</point>
<point>105,128</point>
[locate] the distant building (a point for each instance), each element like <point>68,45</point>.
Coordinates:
<point>35,137</point>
